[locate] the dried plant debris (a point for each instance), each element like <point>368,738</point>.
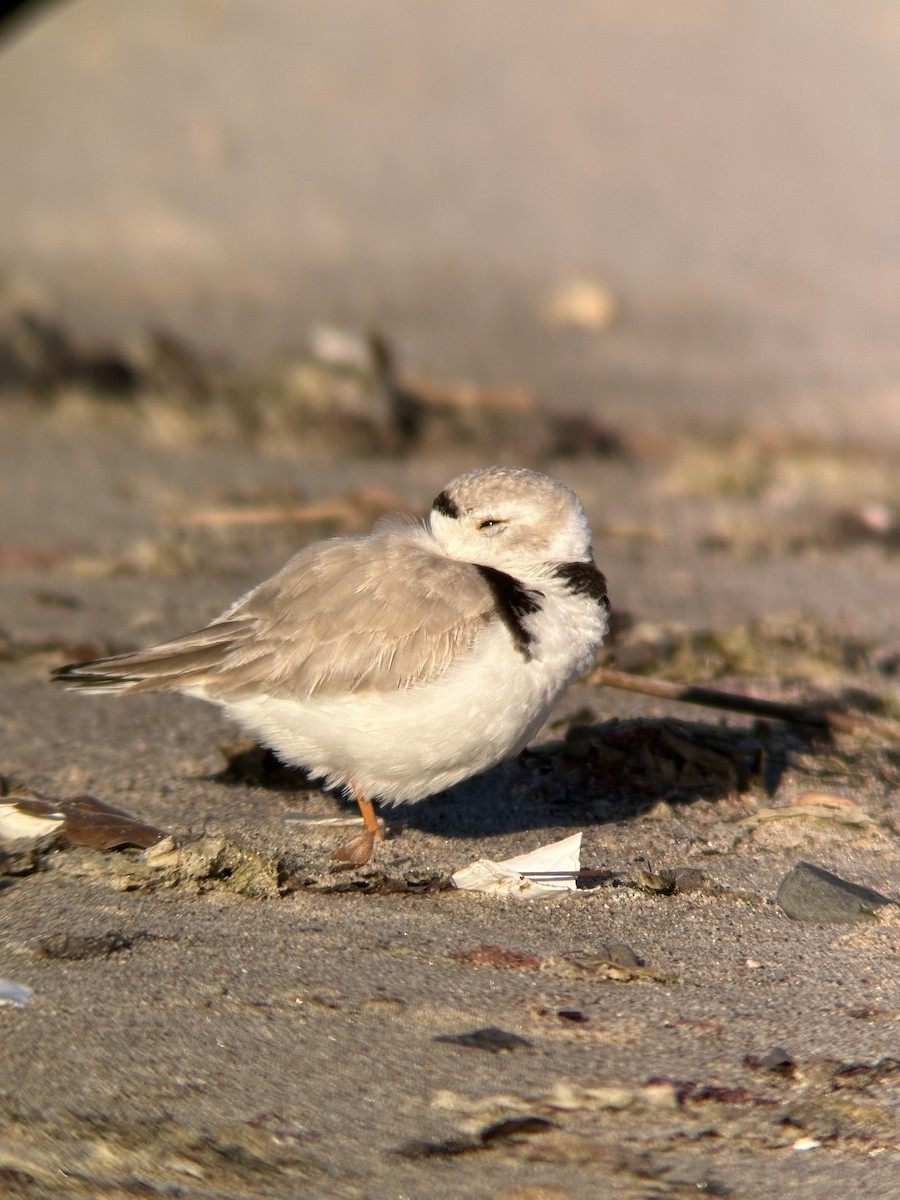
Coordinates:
<point>204,864</point>
<point>348,393</point>
<point>511,1129</point>
<point>76,947</point>
<point>853,1104</point>
<point>786,646</point>
<point>347,513</point>
<point>818,809</point>
<point>87,830</point>
<point>639,762</point>
<point>38,353</point>
<point>616,962</point>
<point>269,1155</point>
<point>816,475</point>
<point>821,528</point>
<point>498,956</point>
<point>388,879</point>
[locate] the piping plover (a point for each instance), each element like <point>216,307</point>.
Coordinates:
<point>399,663</point>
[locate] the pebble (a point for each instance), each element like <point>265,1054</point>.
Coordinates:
<point>491,1039</point>
<point>810,893</point>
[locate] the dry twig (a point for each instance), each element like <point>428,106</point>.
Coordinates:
<point>795,714</point>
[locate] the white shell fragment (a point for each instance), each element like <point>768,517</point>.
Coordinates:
<point>560,861</point>
<point>17,994</point>
<point>16,823</point>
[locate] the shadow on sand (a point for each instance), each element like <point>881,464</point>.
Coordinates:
<point>613,771</point>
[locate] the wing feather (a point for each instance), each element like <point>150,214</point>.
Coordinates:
<point>375,613</point>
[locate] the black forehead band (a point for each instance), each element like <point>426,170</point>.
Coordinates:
<point>445,506</point>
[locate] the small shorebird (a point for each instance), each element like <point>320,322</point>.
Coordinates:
<point>398,663</point>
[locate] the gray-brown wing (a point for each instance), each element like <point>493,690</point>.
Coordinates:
<point>355,614</point>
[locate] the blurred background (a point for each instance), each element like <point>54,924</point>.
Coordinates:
<point>661,212</point>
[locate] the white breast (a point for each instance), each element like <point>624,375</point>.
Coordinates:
<point>410,743</point>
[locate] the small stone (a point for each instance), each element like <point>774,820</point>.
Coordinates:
<point>490,1039</point>
<point>777,1059</point>
<point>809,893</point>
<point>513,1127</point>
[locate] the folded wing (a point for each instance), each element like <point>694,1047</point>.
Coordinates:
<point>377,613</point>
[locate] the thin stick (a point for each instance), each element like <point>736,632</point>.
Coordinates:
<point>797,714</point>
<point>344,508</point>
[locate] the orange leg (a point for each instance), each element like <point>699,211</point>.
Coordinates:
<point>367,808</point>
<point>358,851</point>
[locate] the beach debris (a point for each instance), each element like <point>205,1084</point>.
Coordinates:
<point>24,817</point>
<point>16,994</point>
<point>615,963</point>
<point>206,863</point>
<point>293,816</point>
<point>90,822</point>
<point>497,956</point>
<point>38,352</point>
<point>580,304</point>
<point>875,523</point>
<point>671,881</point>
<point>796,714</point>
<point>821,808</point>
<point>351,511</point>
<point>547,871</point>
<point>810,893</point>
<point>511,1129</point>
<point>491,1039</point>
<point>81,820</point>
<point>356,852</point>
<point>777,1059</point>
<point>344,349</point>
<point>77,947</point>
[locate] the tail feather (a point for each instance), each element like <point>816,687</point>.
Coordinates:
<point>181,663</point>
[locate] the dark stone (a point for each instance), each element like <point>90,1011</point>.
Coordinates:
<point>514,1127</point>
<point>777,1059</point>
<point>490,1039</point>
<point>809,893</point>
